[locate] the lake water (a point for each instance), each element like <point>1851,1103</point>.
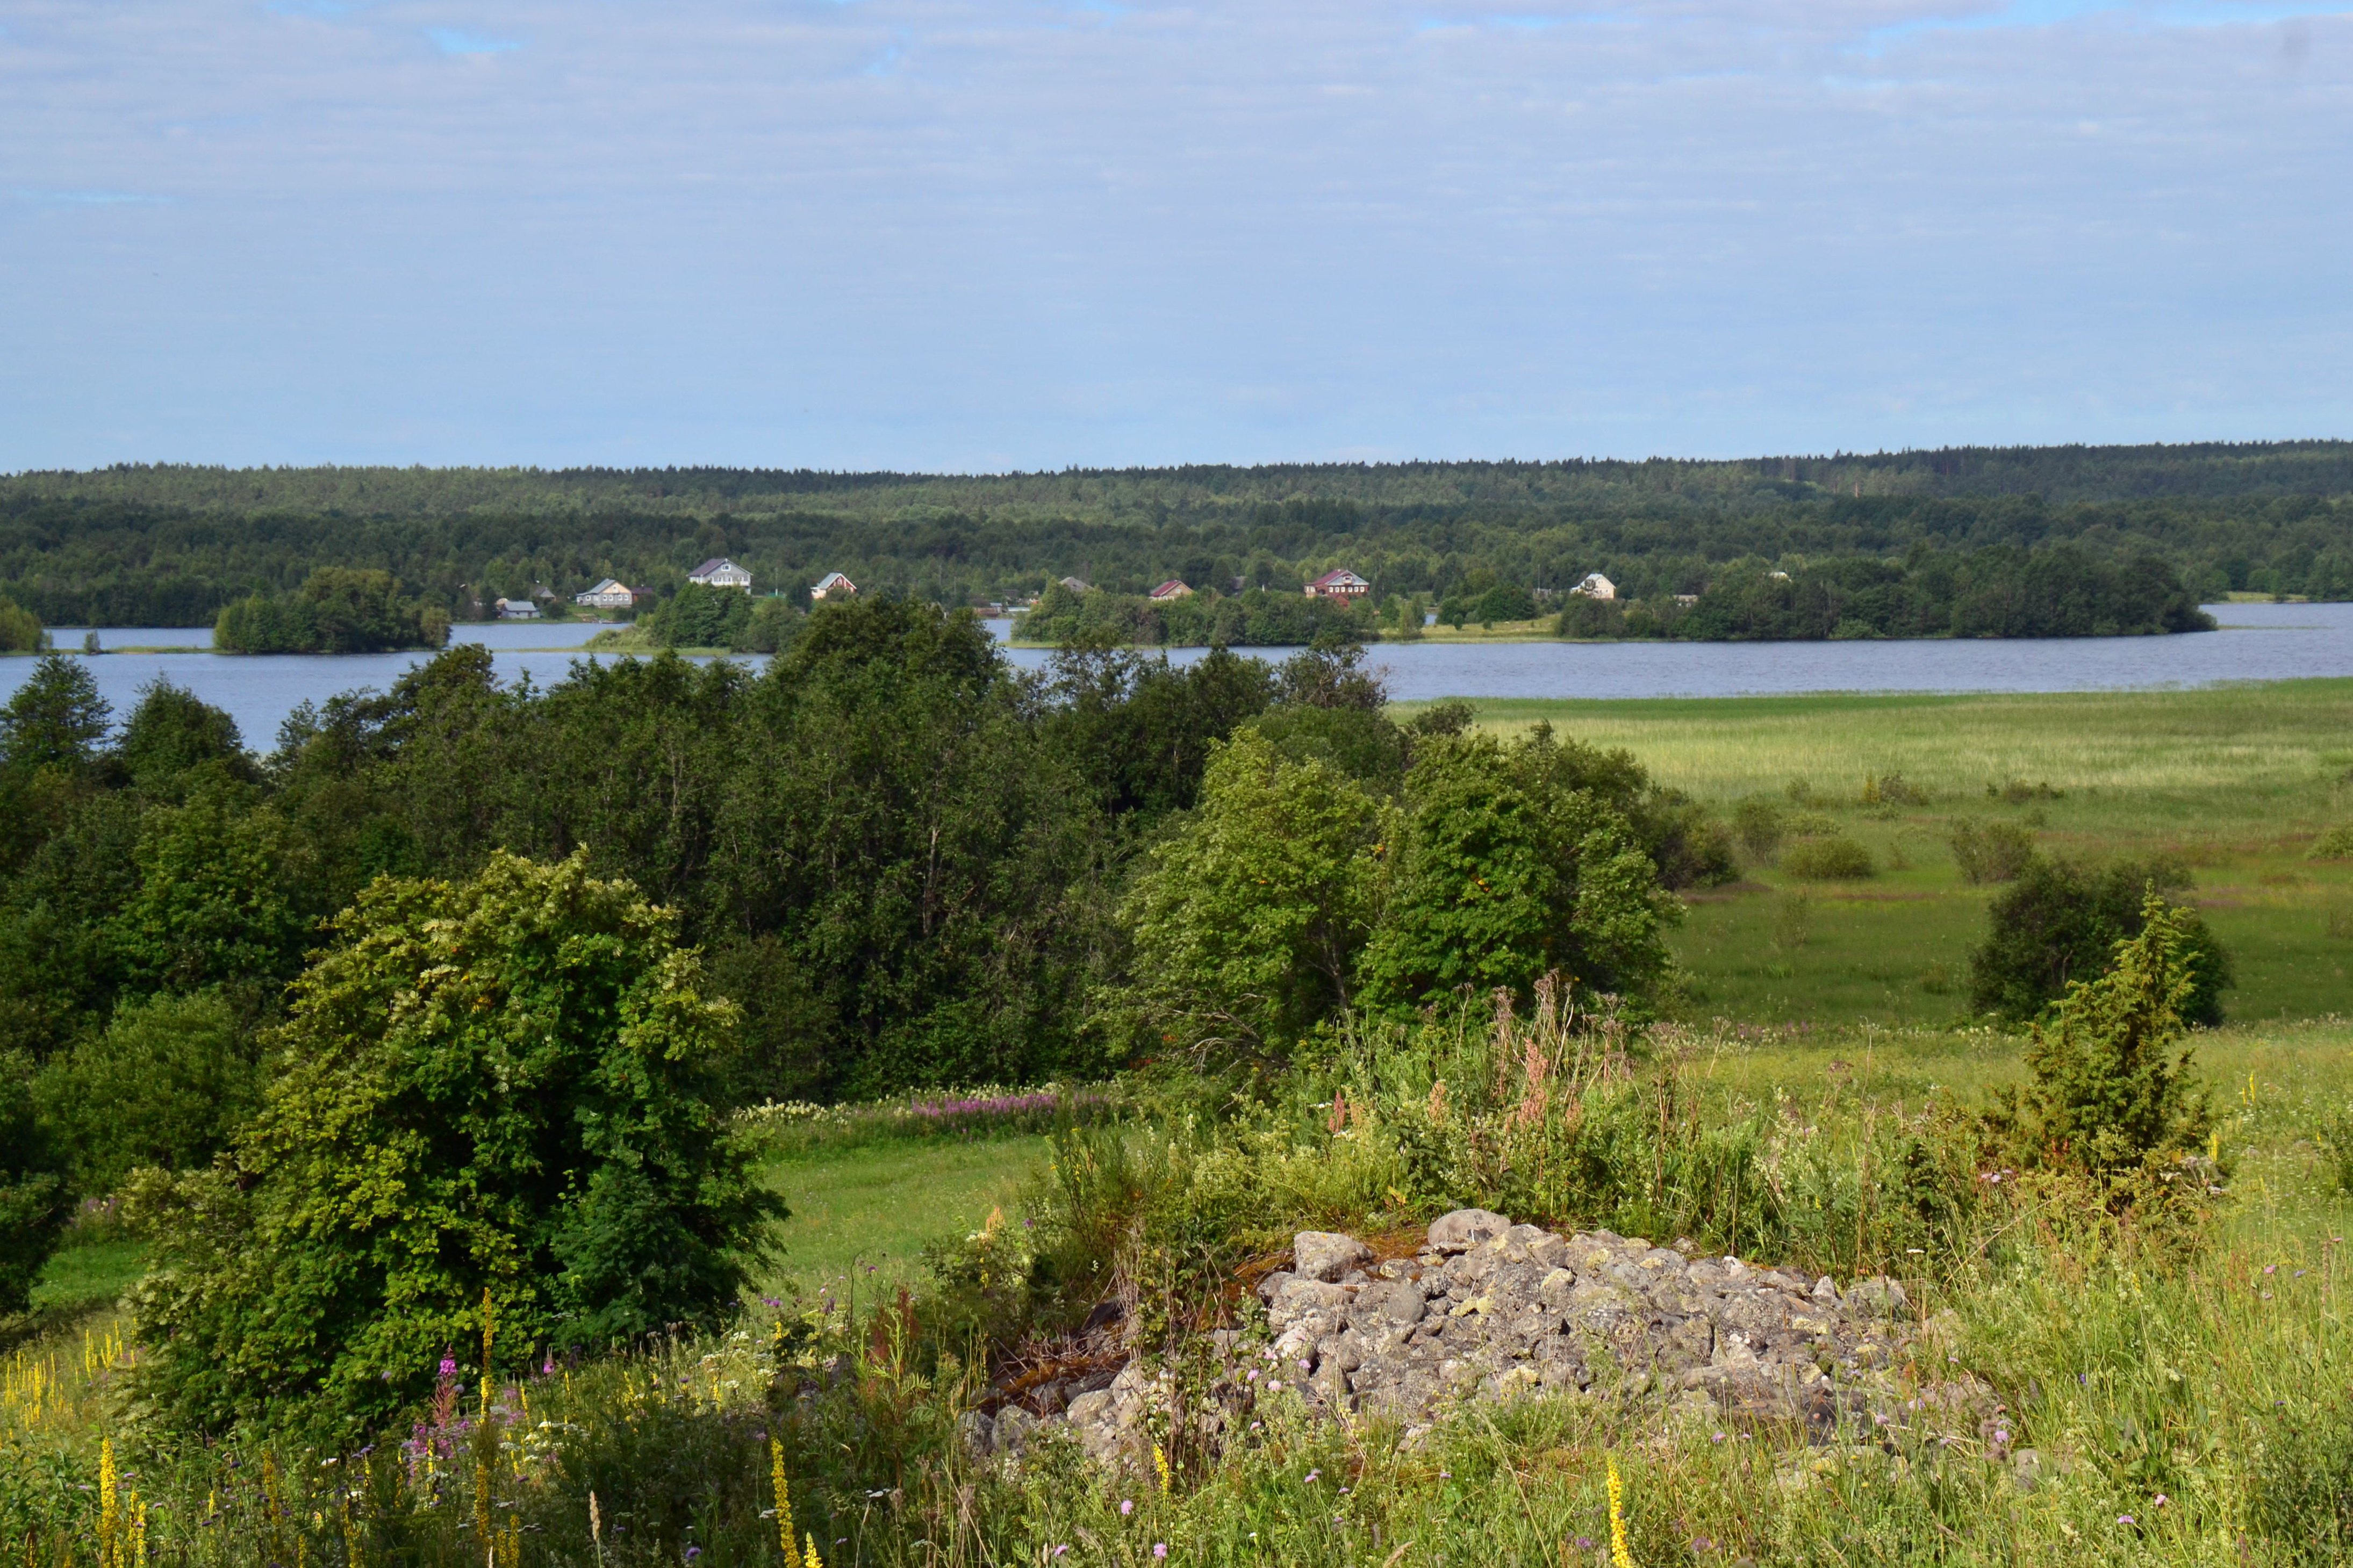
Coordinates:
<point>2258,642</point>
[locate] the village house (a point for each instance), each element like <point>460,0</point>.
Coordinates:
<point>1596,586</point>
<point>721,572</point>
<point>518,610</point>
<point>834,585</point>
<point>1075,585</point>
<point>1339,583</point>
<point>611,593</point>
<point>1174,588</point>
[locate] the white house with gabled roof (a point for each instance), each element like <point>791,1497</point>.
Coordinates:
<point>721,572</point>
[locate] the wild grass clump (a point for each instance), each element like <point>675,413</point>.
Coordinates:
<point>2337,844</point>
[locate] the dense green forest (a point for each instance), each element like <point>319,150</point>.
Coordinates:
<point>2058,591</point>
<point>901,854</point>
<point>172,546</point>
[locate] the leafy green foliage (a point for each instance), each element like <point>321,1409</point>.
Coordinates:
<point>496,1091</point>
<point>1248,922</point>
<point>700,615</point>
<point>20,629</point>
<point>55,720</point>
<point>1141,729</point>
<point>2061,919</point>
<point>2336,844</point>
<point>1294,891</point>
<point>340,609</point>
<point>1501,871</point>
<point>33,1204</point>
<point>166,1084</point>
<point>215,905</point>
<point>2113,1081</point>
<point>172,737</point>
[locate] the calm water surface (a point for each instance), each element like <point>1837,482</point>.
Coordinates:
<point>2258,642</point>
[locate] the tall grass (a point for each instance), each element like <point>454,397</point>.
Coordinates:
<point>2214,1377</point>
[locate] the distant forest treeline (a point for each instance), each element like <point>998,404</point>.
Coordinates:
<point>172,545</point>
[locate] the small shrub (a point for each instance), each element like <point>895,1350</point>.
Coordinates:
<point>1827,861</point>
<point>2337,844</point>
<point>1758,824</point>
<point>1890,789</point>
<point>2338,923</point>
<point>2018,791</point>
<point>1937,979</point>
<point>1990,852</point>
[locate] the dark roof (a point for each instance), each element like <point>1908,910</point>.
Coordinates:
<point>708,567</point>
<point>1337,575</point>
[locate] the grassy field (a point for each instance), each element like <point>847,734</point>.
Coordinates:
<point>2235,781</point>
<point>862,1216</point>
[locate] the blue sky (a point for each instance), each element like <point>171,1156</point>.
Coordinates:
<point>956,234</point>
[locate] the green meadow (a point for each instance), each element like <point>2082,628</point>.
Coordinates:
<point>2236,782</point>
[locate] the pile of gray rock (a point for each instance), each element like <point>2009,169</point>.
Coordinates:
<point>1487,1309</point>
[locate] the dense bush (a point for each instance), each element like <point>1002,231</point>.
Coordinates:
<point>1501,870</point>
<point>168,1084</point>
<point>494,1097</point>
<point>2336,844</point>
<point>1295,891</point>
<point>1827,860</point>
<point>33,1197</point>
<point>2061,921</point>
<point>337,610</point>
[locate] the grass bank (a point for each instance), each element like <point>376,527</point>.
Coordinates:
<point>2237,782</point>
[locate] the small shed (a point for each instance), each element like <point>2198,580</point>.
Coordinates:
<point>1175,588</point>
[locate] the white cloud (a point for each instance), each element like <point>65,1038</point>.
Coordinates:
<point>938,231</point>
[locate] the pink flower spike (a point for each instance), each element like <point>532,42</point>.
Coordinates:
<point>1160,1549</point>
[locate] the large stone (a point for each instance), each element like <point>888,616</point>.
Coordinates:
<point>1466,1229</point>
<point>1325,1255</point>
